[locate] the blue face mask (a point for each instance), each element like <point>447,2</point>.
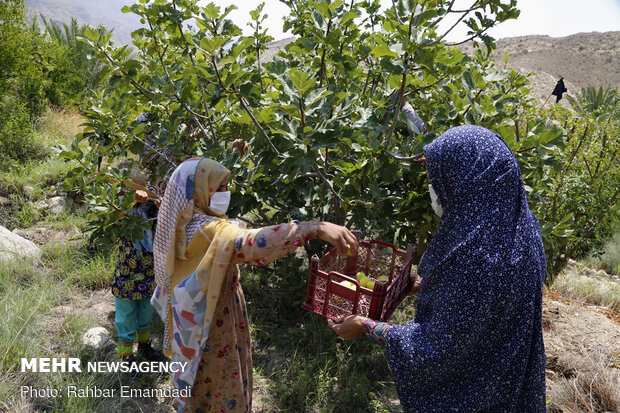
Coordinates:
<point>435,201</point>
<point>220,202</point>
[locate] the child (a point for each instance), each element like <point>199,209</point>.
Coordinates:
<point>134,275</point>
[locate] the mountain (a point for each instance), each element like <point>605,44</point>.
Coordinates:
<point>95,13</point>
<point>583,59</point>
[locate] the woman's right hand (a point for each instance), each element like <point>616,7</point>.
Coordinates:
<point>339,236</point>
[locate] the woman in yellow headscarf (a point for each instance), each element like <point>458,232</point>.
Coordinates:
<point>198,295</point>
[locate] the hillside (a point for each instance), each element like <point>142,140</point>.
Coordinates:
<point>95,13</point>
<point>583,59</point>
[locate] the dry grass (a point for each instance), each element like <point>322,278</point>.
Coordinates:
<point>609,260</point>
<point>59,126</point>
<point>584,385</point>
<point>588,288</point>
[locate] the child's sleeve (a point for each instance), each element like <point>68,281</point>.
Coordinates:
<point>264,245</point>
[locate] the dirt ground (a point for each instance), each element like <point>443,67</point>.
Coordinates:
<point>582,344</point>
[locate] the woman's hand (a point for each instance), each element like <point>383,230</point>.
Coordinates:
<point>340,237</point>
<point>416,282</point>
<point>349,327</point>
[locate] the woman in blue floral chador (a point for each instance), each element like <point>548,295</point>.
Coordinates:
<point>475,344</point>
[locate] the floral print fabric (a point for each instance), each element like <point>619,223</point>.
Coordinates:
<point>475,344</point>
<point>187,194</point>
<point>134,278</point>
<point>224,367</point>
<point>191,273</point>
<point>224,379</point>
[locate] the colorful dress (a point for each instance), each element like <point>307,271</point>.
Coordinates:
<point>134,281</point>
<point>224,379</point>
<point>198,295</point>
<point>134,277</point>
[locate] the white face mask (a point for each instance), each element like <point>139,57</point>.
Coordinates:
<point>220,202</point>
<point>435,201</point>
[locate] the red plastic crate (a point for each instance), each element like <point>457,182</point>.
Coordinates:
<point>326,297</point>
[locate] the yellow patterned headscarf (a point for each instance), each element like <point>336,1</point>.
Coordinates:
<point>189,276</point>
<point>190,189</point>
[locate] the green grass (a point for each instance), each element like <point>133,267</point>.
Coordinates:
<point>43,304</point>
<point>26,294</point>
<point>305,366</point>
<point>80,267</point>
<point>42,176</point>
<point>33,325</point>
<point>53,128</point>
<point>610,258</point>
<point>589,289</point>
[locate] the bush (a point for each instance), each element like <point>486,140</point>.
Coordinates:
<point>609,257</point>
<point>17,142</point>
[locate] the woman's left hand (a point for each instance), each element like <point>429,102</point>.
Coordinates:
<point>416,283</point>
<point>349,327</point>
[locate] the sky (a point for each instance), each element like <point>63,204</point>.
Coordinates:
<point>556,18</point>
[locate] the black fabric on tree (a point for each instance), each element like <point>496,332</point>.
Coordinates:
<point>559,90</point>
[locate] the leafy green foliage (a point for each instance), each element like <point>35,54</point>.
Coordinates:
<point>324,118</point>
<point>17,142</point>
<point>20,68</point>
<point>598,103</point>
<point>571,171</point>
<point>585,194</point>
<point>35,71</point>
<point>73,74</point>
<point>12,14</point>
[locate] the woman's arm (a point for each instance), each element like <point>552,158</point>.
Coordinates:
<point>353,326</point>
<point>264,245</point>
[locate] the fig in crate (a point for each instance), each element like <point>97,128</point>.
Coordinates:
<point>371,283</point>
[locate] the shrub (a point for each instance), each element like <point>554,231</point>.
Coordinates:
<point>17,142</point>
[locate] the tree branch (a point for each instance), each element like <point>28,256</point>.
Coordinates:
<point>401,91</point>
<point>147,93</point>
<point>329,185</point>
<point>436,22</point>
<point>202,89</point>
<point>322,69</point>
<point>396,11</point>
<point>157,151</point>
<point>256,122</point>
<point>176,92</point>
<point>469,39</point>
<point>414,158</point>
